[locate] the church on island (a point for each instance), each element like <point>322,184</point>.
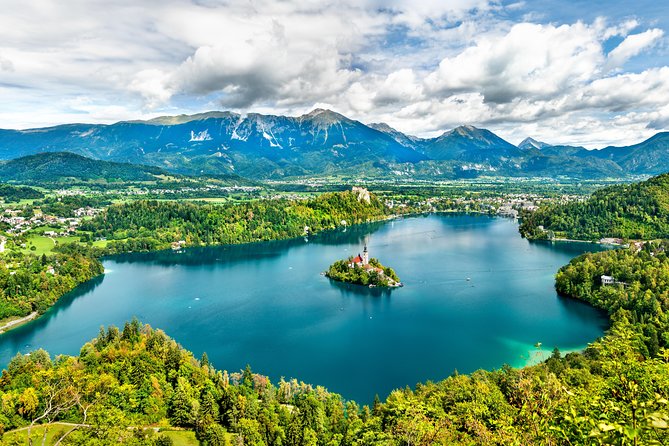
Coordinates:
<point>363,270</point>
<point>362,261</point>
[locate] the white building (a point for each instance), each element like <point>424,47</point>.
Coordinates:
<point>608,280</point>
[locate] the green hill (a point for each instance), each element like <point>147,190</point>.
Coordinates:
<point>9,193</point>
<point>630,211</point>
<point>66,167</point>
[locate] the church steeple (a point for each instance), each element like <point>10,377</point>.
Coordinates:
<point>365,256</point>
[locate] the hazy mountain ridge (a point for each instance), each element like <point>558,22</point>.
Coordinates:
<point>64,166</point>
<point>323,142</point>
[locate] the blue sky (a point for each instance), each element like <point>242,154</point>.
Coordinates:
<point>590,73</point>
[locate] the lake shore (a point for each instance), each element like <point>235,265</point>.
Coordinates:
<point>17,322</point>
<point>333,319</point>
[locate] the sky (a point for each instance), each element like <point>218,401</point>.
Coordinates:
<point>590,73</point>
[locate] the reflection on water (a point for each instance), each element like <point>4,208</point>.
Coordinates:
<point>21,337</point>
<point>347,289</point>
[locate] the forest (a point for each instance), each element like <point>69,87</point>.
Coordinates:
<point>157,224</point>
<point>630,211</point>
<point>10,194</point>
<point>64,167</point>
<point>30,283</point>
<point>641,288</point>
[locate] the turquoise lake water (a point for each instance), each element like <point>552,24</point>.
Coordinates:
<point>476,295</point>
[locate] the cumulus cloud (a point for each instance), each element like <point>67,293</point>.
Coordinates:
<point>625,91</point>
<point>531,60</point>
<point>632,46</point>
<point>6,64</point>
<point>423,66</point>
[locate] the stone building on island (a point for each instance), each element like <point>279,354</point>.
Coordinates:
<point>362,261</point>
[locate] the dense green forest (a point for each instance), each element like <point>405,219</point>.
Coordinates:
<point>57,167</point>
<point>631,211</point>
<point>156,224</point>
<point>11,194</point>
<point>29,283</point>
<point>342,272</point>
<point>641,288</point>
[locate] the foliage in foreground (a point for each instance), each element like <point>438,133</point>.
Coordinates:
<point>629,211</point>
<point>125,380</point>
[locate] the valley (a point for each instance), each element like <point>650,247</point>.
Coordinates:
<point>317,223</point>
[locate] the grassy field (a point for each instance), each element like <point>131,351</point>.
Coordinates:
<point>212,200</point>
<point>100,243</point>
<point>56,430</point>
<point>182,438</point>
<point>44,245</point>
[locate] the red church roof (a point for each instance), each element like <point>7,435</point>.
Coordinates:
<point>357,259</point>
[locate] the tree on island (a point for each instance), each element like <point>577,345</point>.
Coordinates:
<point>371,273</point>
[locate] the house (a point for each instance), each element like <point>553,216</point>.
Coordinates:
<point>356,261</point>
<point>608,280</point>
<point>178,245</point>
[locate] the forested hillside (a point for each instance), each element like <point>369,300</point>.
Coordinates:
<point>64,166</point>
<point>142,225</point>
<point>29,283</point>
<point>631,211</point>
<point>641,288</point>
<point>10,193</point>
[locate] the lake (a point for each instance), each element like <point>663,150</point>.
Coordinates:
<point>476,295</point>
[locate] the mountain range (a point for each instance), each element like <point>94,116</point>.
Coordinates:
<point>324,142</point>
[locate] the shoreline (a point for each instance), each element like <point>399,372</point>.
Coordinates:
<point>35,315</point>
<point>571,240</point>
<point>537,356</point>
<point>17,322</point>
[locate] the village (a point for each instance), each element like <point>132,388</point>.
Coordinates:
<point>19,224</point>
<point>23,232</point>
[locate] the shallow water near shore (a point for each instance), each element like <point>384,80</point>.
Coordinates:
<point>476,295</point>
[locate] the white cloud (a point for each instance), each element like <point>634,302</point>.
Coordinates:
<point>621,29</point>
<point>649,88</point>
<point>152,85</point>
<point>632,46</point>
<point>423,66</point>
<point>536,61</point>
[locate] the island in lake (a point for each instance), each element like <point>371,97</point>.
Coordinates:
<point>361,270</point>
